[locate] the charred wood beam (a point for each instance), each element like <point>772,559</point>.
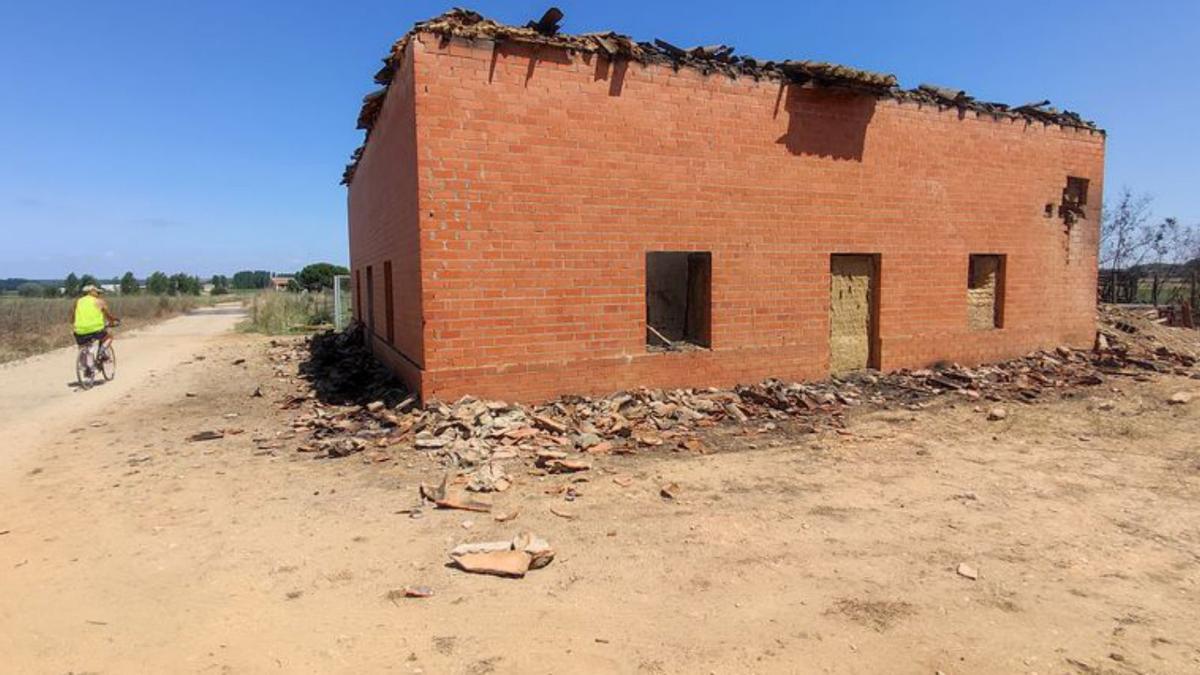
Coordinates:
<point>1033,107</point>
<point>670,49</point>
<point>956,96</point>
<point>549,23</point>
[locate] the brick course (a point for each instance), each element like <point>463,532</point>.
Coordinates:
<point>517,189</point>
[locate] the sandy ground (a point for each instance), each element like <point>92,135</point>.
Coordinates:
<point>126,549</point>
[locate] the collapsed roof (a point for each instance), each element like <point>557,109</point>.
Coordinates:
<point>711,59</point>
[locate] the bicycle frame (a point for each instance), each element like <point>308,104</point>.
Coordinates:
<point>90,358</point>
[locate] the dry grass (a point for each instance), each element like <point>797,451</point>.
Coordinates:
<point>877,615</point>
<point>276,313</point>
<point>31,326</point>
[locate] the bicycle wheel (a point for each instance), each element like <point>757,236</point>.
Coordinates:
<point>83,373</point>
<point>108,362</point>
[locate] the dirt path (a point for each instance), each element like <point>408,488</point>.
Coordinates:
<point>38,396</point>
<point>126,549</point>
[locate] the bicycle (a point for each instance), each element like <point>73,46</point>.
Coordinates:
<point>103,360</point>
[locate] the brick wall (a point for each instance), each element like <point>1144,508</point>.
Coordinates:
<point>384,227</point>
<point>545,177</point>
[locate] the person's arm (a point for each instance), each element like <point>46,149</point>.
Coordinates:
<point>108,316</point>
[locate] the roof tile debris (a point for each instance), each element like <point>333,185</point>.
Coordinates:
<point>709,60</point>
<point>348,404</point>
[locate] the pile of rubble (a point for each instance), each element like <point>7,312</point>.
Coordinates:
<point>341,370</point>
<point>476,437</point>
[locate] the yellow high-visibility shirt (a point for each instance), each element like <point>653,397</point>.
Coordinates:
<point>88,317</point>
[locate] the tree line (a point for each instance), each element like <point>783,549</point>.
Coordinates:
<point>314,277</point>
<point>157,283</point>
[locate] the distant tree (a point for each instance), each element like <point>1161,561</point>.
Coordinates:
<point>31,290</point>
<point>247,279</point>
<point>129,284</point>
<point>50,292</point>
<point>293,286</point>
<point>318,276</point>
<point>71,286</point>
<point>184,284</point>
<point>1172,244</point>
<point>158,284</point>
<point>243,279</point>
<point>1134,246</point>
<point>88,280</point>
<point>1125,231</point>
<point>220,285</point>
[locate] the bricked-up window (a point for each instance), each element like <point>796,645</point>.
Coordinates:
<point>985,292</point>
<point>370,300</point>
<point>389,313</point>
<point>678,299</point>
<point>358,308</point>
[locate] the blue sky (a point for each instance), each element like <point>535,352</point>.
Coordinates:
<point>210,136</point>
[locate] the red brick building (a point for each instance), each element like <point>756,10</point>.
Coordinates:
<point>535,213</point>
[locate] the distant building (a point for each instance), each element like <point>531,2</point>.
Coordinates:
<point>280,283</point>
<point>536,213</point>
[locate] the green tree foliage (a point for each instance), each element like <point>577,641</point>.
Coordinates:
<point>317,276</point>
<point>294,286</point>
<point>220,284</point>
<point>71,286</point>
<point>158,284</point>
<point>87,280</point>
<point>247,279</point>
<point>50,291</point>
<point>31,290</point>
<point>129,284</point>
<point>180,284</point>
<point>185,284</point>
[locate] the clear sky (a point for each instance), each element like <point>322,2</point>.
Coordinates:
<point>210,136</point>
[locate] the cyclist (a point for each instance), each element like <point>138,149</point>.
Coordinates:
<point>91,317</point>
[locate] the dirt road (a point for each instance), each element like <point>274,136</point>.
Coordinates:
<point>126,549</point>
<point>37,394</point>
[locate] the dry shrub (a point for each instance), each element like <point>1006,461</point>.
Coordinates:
<point>277,313</point>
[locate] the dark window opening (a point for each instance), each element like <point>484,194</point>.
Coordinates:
<point>1074,198</point>
<point>389,313</point>
<point>1076,191</point>
<point>678,299</point>
<point>370,300</point>
<point>985,292</point>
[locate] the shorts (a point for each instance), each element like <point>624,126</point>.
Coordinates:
<point>82,340</point>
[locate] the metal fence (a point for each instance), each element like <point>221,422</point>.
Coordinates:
<point>343,303</point>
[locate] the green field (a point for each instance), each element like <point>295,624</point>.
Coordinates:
<point>1170,291</point>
